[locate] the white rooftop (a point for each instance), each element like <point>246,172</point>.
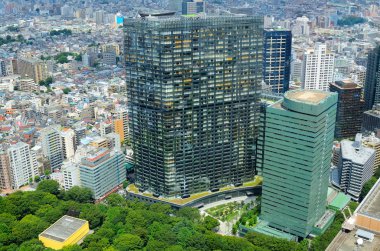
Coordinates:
<point>357,153</point>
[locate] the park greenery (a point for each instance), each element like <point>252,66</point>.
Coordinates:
<point>226,212</point>
<point>46,82</point>
<point>62,57</point>
<point>249,215</point>
<point>65,32</point>
<point>121,224</point>
<point>321,242</point>
<point>118,224</point>
<point>9,39</point>
<point>13,28</point>
<point>369,184</point>
<point>351,20</point>
<point>66,90</point>
<point>367,187</point>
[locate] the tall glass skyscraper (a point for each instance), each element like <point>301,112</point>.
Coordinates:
<point>297,154</point>
<point>193,93</point>
<point>276,59</point>
<point>372,82</point>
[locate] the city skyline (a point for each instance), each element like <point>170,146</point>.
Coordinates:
<point>189,125</point>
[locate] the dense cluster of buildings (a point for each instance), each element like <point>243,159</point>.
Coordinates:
<point>198,102</point>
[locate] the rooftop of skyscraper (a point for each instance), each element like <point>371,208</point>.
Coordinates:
<point>371,204</point>
<point>307,96</point>
<point>346,84</point>
<point>355,152</point>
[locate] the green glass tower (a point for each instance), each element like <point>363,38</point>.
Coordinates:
<point>297,151</point>
<point>193,89</point>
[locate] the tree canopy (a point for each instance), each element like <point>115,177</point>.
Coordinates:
<point>49,186</point>
<point>65,32</point>
<point>118,224</point>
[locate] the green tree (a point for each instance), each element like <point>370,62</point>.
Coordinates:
<point>154,245</point>
<point>367,187</point>
<point>78,57</point>
<point>7,219</point>
<point>72,248</point>
<point>116,200</point>
<point>66,90</point>
<point>125,184</point>
<point>48,213</point>
<point>49,186</point>
<point>32,245</point>
<point>28,228</point>
<point>37,178</point>
<point>126,242</point>
<point>79,194</point>
<point>161,208</point>
<point>94,214</point>
<point>210,223</point>
<point>189,213</point>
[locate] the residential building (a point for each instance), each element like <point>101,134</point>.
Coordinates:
<point>317,68</point>
<point>52,146</point>
<point>28,85</point>
<point>299,136</point>
<point>355,166</point>
<point>100,17</point>
<point>109,58</point>
<point>123,115</point>
<point>105,128</point>
<point>71,175</point>
<point>193,7</point>
<point>102,170</point>
<point>296,70</point>
<point>113,141</point>
<point>119,128</point>
<point>115,48</point>
<point>301,26</point>
<point>371,120</point>
<point>194,102</point>
<point>5,171</point>
<point>373,141</point>
<point>3,71</point>
<point>68,143</point>
<point>276,59</point>
<point>32,68</point>
<point>350,108</point>
<point>21,164</point>
<point>372,82</point>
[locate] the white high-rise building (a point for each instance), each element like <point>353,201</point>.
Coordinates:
<point>99,17</point>
<point>67,11</point>
<point>68,143</point>
<point>301,27</point>
<point>52,146</point>
<point>71,175</point>
<point>296,70</point>
<point>317,68</point>
<point>22,164</point>
<point>355,166</point>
